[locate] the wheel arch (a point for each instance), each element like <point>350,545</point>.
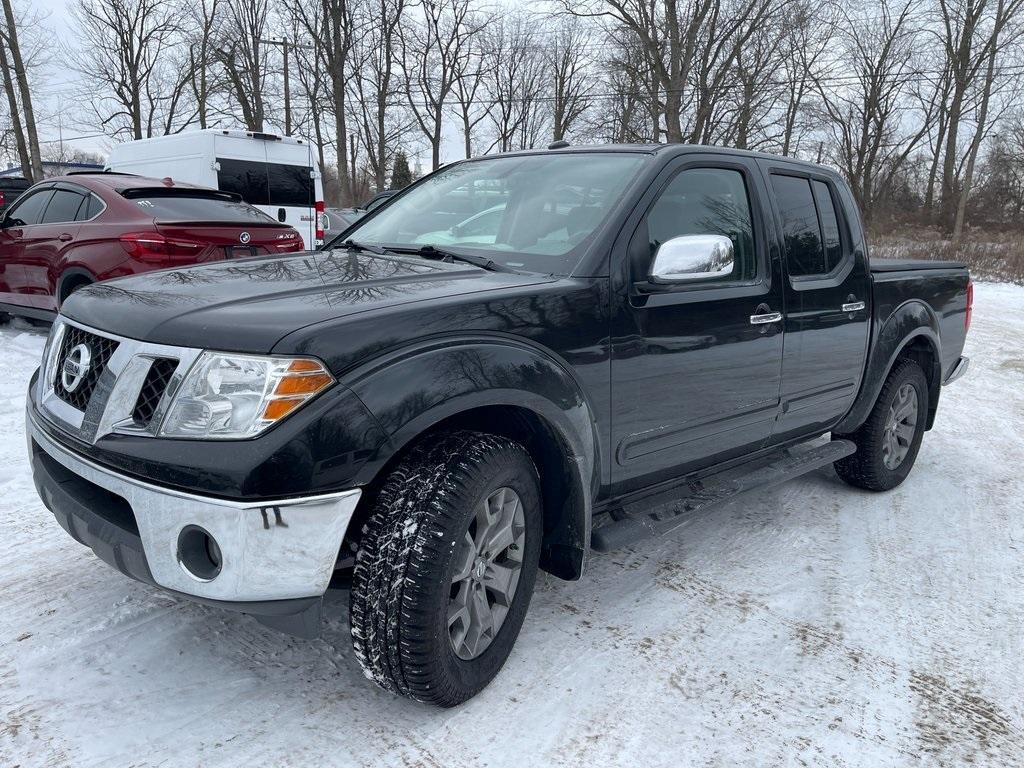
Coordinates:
<point>540,405</point>
<point>69,279</point>
<point>911,331</point>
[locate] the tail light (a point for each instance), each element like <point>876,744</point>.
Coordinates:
<point>153,246</point>
<point>289,242</point>
<point>319,219</point>
<point>970,306</point>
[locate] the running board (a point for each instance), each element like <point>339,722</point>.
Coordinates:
<point>662,513</point>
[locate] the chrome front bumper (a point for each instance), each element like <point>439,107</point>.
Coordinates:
<point>270,550</point>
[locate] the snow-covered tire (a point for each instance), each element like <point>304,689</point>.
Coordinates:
<point>410,549</point>
<point>869,467</point>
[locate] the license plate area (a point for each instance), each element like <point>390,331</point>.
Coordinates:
<point>239,251</point>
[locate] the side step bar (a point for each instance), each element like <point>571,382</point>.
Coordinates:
<point>660,514</point>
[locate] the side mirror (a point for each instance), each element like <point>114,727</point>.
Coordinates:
<point>692,257</point>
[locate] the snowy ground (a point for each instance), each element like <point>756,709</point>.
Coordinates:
<point>815,625</point>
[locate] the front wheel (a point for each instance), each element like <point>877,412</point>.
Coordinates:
<point>446,566</point>
<point>888,442</point>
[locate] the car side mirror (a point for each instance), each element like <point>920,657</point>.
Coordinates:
<point>691,257</point>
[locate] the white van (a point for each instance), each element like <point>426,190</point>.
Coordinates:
<point>277,174</point>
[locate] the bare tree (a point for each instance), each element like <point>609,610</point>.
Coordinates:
<point>516,71</point>
<point>469,84</point>
<point>200,26</point>
<point>15,75</point>
<point>572,82</point>
<point>240,50</point>
<point>868,118</point>
<point>432,54</point>
<point>382,123</point>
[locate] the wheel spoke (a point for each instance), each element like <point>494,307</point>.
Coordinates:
<point>904,433</point>
<point>501,580</point>
<point>481,622</point>
<point>464,560</point>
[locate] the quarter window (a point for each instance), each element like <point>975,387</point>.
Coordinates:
<point>707,201</point>
<point>810,225</point>
<point>267,183</point>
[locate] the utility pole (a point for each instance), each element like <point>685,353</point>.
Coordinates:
<point>285,45</point>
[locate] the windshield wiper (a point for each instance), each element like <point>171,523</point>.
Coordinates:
<point>439,254</point>
<point>352,245</point>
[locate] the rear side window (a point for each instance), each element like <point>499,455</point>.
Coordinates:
<point>810,225</point>
<point>245,178</point>
<point>29,210</point>
<point>267,183</point>
<point>829,225</point>
<point>290,185</point>
<point>63,207</point>
<point>183,208</point>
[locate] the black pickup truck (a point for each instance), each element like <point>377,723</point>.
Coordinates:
<point>515,361</point>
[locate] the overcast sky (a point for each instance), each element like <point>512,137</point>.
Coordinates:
<point>58,106</point>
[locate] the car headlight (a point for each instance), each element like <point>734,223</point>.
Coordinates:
<point>228,396</point>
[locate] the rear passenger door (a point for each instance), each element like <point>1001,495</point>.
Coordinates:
<point>827,295</point>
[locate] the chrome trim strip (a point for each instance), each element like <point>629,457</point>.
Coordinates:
<point>958,370</point>
<point>271,550</point>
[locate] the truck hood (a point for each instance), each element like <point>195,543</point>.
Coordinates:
<point>249,305</point>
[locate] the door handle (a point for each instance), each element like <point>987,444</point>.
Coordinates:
<point>854,306</point>
<point>64,236</point>
<point>764,319</point>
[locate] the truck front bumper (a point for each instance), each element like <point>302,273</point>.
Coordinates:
<point>273,559</point>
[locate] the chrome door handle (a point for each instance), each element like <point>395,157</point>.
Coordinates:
<point>768,317</point>
<point>854,306</point>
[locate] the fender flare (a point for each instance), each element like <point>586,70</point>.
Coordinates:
<point>416,388</point>
<point>911,320</point>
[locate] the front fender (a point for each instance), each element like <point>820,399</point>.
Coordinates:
<point>414,389</point>
<point>910,320</point>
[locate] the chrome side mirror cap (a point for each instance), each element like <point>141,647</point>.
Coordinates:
<point>692,257</point>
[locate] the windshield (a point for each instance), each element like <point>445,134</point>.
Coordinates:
<point>533,212</point>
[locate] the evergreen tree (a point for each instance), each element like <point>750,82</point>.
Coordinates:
<point>401,174</point>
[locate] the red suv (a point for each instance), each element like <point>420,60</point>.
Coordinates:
<point>73,230</point>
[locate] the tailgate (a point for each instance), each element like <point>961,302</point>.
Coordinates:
<point>233,241</point>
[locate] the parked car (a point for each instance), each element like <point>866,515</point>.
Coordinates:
<point>70,231</point>
<point>279,175</point>
<point>337,220</point>
<point>379,199</point>
<point>645,333</point>
<point>11,188</point>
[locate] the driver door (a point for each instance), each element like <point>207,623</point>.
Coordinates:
<point>16,235</point>
<point>696,358</point>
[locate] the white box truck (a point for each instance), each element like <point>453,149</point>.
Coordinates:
<point>279,175</point>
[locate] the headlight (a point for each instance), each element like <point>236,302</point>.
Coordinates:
<point>231,396</point>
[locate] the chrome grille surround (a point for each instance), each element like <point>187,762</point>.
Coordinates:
<point>111,406</point>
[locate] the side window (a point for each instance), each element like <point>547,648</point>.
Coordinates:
<point>29,209</point>
<point>706,201</point>
<point>290,185</point>
<point>800,228</point>
<point>829,225</point>
<point>62,208</point>
<point>246,178</point>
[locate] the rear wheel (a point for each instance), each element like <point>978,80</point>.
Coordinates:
<point>888,442</point>
<point>446,567</point>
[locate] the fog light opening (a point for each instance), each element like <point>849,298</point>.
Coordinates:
<point>198,553</point>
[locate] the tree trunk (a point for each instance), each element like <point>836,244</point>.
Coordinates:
<point>31,134</point>
<point>12,101</point>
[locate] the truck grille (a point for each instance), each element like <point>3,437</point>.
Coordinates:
<point>153,388</point>
<point>100,350</point>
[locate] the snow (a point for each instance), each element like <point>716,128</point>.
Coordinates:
<point>812,625</point>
